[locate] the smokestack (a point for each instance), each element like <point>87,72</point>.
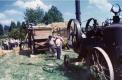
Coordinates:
<point>77,6</point>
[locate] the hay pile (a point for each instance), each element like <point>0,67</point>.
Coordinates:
<point>16,50</point>
<point>2,53</point>
<point>54,26</point>
<point>5,52</point>
<point>58,25</point>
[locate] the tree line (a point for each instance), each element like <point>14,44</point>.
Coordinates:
<point>15,30</point>
<point>39,16</point>
<point>35,16</point>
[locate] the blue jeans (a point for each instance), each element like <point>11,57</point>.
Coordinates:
<point>52,49</point>
<point>58,50</point>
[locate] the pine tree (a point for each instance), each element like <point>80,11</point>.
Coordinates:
<point>1,30</point>
<point>53,15</point>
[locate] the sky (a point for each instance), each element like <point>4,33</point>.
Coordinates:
<point>13,10</point>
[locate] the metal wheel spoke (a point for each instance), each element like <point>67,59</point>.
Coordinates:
<point>94,62</point>
<point>100,66</point>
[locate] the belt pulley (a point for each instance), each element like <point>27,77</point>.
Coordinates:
<point>74,33</point>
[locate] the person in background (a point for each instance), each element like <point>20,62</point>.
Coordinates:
<point>59,42</point>
<point>12,44</point>
<point>62,40</point>
<point>52,45</point>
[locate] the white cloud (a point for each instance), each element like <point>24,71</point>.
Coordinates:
<point>3,19</point>
<point>9,15</point>
<point>19,3</point>
<point>68,14</point>
<point>101,4</point>
<point>33,4</point>
<point>6,21</point>
<point>2,16</point>
<point>13,12</point>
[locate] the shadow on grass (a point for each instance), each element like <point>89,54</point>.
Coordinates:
<point>73,72</point>
<point>30,64</point>
<point>25,53</point>
<point>28,52</point>
<point>50,59</point>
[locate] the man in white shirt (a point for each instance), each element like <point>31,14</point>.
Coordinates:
<point>58,42</point>
<point>52,45</point>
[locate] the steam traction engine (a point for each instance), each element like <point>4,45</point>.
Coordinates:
<point>100,46</point>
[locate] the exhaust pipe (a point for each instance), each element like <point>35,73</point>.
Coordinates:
<point>77,7</point>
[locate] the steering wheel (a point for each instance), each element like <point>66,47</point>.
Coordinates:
<point>114,11</point>
<point>91,27</point>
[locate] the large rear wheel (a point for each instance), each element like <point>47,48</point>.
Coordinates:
<point>100,65</point>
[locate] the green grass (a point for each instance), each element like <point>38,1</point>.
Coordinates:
<point>18,67</point>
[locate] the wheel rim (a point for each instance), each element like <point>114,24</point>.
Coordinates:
<point>71,31</point>
<point>91,27</point>
<point>74,33</point>
<point>100,65</point>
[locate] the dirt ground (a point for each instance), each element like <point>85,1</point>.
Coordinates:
<point>42,67</point>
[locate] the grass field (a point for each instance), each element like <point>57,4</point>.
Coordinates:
<point>42,67</point>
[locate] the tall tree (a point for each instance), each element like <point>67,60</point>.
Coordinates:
<point>14,33</point>
<point>6,28</point>
<point>23,26</point>
<point>12,26</point>
<point>53,15</point>
<point>18,24</point>
<point>34,15</point>
<point>23,31</point>
<point>1,30</point>
<point>39,15</point>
